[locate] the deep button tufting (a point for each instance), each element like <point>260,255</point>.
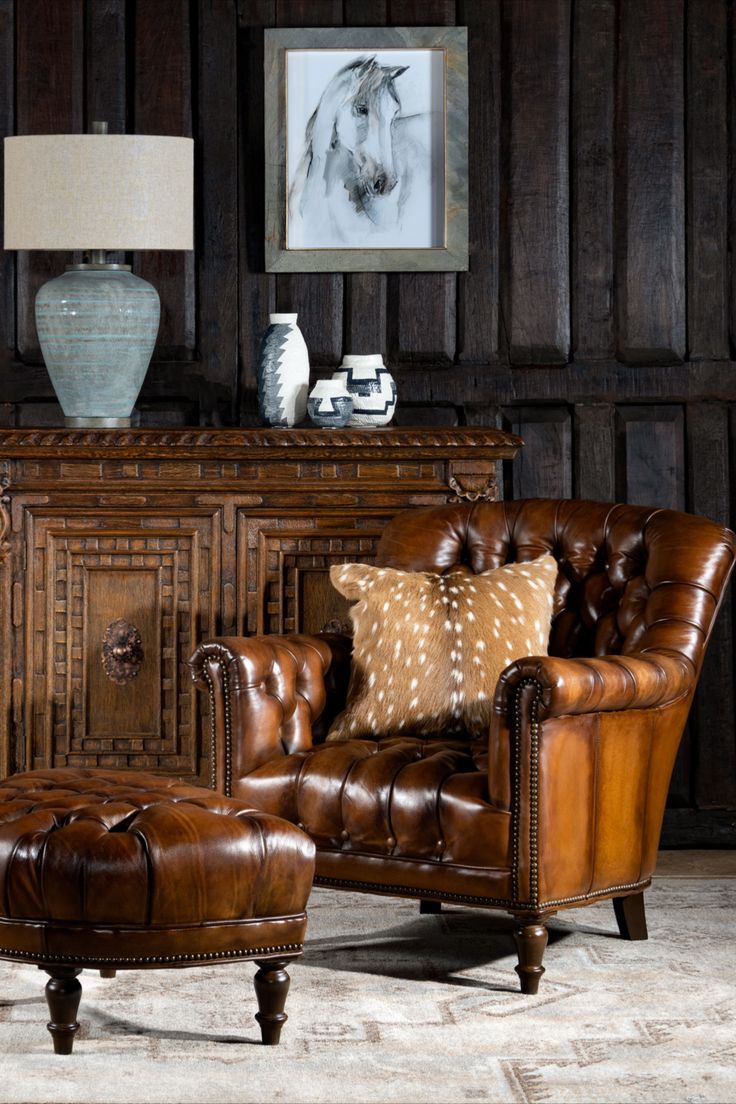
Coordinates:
<point>400,796</point>
<point>108,847</point>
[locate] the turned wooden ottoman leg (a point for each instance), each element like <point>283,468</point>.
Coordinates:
<point>63,994</point>
<point>108,973</point>
<point>630,916</point>
<point>531,941</point>
<point>272,985</point>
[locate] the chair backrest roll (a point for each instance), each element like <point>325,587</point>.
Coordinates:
<point>631,578</point>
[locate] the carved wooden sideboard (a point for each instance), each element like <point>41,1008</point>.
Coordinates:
<point>121,549</point>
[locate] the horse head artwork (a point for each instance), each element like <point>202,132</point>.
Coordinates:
<point>353,177</point>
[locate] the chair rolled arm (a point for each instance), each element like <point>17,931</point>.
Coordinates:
<point>604,685</point>
<point>266,694</point>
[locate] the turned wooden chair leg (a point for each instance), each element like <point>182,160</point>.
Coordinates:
<point>108,973</point>
<point>630,916</point>
<point>63,994</point>
<point>531,941</point>
<point>430,907</point>
<point>272,985</point>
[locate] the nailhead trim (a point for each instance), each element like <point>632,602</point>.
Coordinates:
<point>534,809</point>
<point>534,797</point>
<point>597,893</point>
<point>533,792</point>
<point>34,956</point>
<point>412,891</point>
<point>228,787</point>
<point>463,898</point>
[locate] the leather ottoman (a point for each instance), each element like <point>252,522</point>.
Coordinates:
<point>116,870</point>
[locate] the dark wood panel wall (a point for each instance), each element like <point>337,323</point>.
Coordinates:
<point>598,318</point>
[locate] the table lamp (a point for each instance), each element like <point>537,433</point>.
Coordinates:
<point>99,192</point>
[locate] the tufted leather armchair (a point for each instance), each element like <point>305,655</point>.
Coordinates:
<point>562,805</point>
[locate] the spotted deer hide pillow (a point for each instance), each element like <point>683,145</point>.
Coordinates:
<point>428,649</point>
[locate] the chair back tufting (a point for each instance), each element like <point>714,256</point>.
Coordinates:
<point>631,578</point>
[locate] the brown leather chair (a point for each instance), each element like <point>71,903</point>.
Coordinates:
<point>563,804</point>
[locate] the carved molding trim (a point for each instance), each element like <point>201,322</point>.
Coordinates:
<point>122,652</point>
<point>481,488</point>
<point>4,515</point>
<point>376,440</point>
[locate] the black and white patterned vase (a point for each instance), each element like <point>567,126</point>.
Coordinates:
<point>283,373</point>
<point>372,388</point>
<point>329,404</point>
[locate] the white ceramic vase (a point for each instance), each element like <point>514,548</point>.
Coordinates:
<point>371,387</point>
<point>329,403</point>
<point>283,372</point>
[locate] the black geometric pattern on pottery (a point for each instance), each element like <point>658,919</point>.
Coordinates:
<point>361,388</point>
<point>342,408</point>
<point>270,398</point>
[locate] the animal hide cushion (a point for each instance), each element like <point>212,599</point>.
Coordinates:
<point>428,649</point>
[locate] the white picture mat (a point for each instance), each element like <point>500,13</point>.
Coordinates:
<point>421,90</point>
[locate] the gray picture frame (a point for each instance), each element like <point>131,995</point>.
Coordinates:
<point>453,255</point>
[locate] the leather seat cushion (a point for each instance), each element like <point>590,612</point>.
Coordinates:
<point>404,797</point>
<point>125,849</point>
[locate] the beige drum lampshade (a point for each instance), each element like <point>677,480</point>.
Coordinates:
<point>98,191</point>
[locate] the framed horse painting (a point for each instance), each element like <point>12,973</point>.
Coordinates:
<point>366,139</point>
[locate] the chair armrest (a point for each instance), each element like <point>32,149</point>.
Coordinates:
<point>266,696</point>
<point>581,752</point>
<point>608,684</point>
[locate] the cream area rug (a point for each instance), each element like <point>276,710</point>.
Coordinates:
<point>388,1005</point>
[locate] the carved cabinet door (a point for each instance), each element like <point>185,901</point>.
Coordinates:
<point>284,566</point>
<point>113,606</point>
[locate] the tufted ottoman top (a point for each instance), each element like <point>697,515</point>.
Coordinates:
<point>130,852</point>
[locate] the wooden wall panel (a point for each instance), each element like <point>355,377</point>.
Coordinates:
<point>651,456</point>
<point>422,317</point>
<point>49,100</point>
<point>707,180</point>
<point>217,271</point>
<point>163,105</point>
<point>651,230</point>
<point>731,18</point>
<point>7,124</point>
<point>595,444</point>
<point>593,113</point>
<point>105,64</point>
<point>714,715</point>
<point>478,289</point>
<point>366,312</point>
<point>538,292</point>
<point>422,322</point>
<point>256,288</point>
<point>543,469</point>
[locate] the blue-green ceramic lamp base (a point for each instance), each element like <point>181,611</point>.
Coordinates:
<point>97,325</point>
